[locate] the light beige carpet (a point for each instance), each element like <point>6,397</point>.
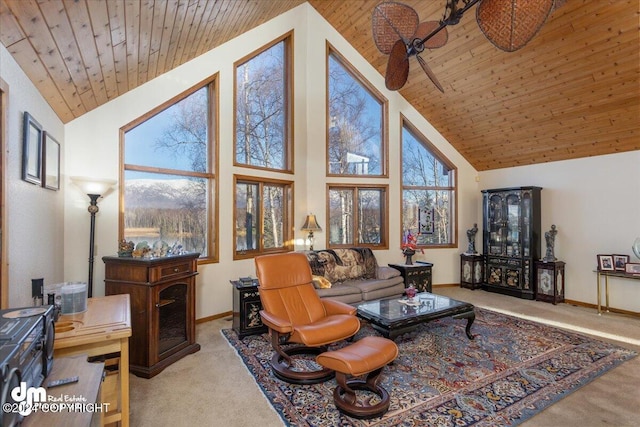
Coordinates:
<point>212,387</point>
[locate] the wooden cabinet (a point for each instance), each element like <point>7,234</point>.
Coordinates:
<point>418,275</point>
<point>162,292</point>
<point>511,240</point>
<point>246,309</point>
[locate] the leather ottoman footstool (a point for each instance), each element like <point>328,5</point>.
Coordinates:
<point>367,356</point>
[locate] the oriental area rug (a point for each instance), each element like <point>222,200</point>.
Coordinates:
<point>512,370</point>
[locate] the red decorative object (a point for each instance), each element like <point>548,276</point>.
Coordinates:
<point>409,247</point>
<point>410,242</point>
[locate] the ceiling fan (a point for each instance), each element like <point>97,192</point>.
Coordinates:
<point>398,32</point>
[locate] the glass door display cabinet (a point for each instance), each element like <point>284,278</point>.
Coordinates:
<point>511,240</point>
<point>163,310</point>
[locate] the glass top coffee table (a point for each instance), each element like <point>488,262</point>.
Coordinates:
<point>395,316</point>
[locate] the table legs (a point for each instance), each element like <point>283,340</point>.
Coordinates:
<point>606,293</point>
<point>471,317</point>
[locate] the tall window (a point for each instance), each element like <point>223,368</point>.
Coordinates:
<point>262,108</point>
<point>169,174</point>
<point>263,216</point>
<point>357,215</point>
<point>356,122</point>
<point>428,191</point>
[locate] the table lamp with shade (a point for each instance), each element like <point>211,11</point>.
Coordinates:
<point>94,188</point>
<point>310,225</point>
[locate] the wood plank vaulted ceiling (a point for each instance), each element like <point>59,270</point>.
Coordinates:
<point>572,92</point>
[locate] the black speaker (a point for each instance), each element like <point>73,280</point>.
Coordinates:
<point>47,340</point>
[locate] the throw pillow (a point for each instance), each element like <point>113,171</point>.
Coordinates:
<point>387,273</point>
<point>352,265</point>
<point>320,282</point>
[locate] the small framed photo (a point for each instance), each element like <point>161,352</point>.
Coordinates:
<point>51,165</point>
<point>632,268</point>
<point>605,263</point>
<point>619,261</point>
<point>31,150</point>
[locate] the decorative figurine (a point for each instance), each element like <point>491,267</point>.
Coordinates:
<point>411,292</point>
<point>125,249</point>
<point>176,249</point>
<point>159,249</point>
<point>471,235</point>
<point>142,250</point>
<point>550,238</point>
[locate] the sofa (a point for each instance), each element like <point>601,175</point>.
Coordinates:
<point>352,275</point>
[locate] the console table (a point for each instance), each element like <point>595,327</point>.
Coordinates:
<point>418,275</point>
<point>606,275</point>
<point>104,328</point>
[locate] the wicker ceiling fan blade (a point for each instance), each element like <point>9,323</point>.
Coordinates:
<point>429,73</point>
<point>437,40</point>
<point>391,22</point>
<point>397,67</point>
<point>511,24</point>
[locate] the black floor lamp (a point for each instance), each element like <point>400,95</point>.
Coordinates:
<point>94,188</point>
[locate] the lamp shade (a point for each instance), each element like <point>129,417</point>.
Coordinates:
<point>511,24</point>
<point>93,185</point>
<point>310,224</point>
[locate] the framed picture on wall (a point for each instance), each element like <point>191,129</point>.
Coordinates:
<point>619,261</point>
<point>51,165</point>
<point>605,263</point>
<point>31,150</point>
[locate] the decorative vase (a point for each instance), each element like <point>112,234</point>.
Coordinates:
<point>408,253</point>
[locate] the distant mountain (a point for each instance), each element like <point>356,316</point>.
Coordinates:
<point>162,193</point>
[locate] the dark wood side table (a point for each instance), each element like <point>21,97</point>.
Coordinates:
<point>550,281</point>
<point>246,309</point>
<point>418,275</point>
<point>471,276</point>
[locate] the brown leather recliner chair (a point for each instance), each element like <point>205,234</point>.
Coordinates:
<point>295,314</point>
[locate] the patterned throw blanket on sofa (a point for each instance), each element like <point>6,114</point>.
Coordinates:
<point>338,265</point>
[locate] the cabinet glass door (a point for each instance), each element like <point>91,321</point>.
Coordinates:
<point>172,328</point>
<point>496,225</point>
<point>526,221</point>
<point>513,226</point>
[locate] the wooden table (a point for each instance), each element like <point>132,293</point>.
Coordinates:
<point>103,329</point>
<point>87,390</point>
<point>606,275</point>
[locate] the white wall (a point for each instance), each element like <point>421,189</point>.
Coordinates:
<point>595,204</point>
<point>34,214</point>
<point>92,149</point>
